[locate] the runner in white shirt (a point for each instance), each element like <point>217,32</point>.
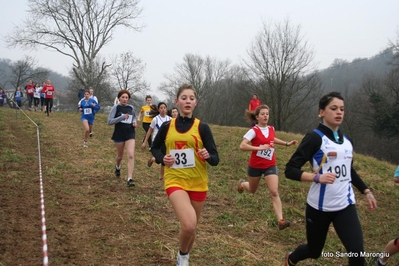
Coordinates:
<point>331,198</point>
<point>36,95</point>
<point>159,117</point>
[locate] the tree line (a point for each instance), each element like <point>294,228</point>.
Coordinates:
<point>279,67</point>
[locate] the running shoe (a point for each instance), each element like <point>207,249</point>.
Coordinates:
<point>117,172</point>
<point>282,224</point>
<point>287,256</point>
<point>130,183</point>
<point>240,189</point>
<point>90,134</point>
<point>85,144</point>
<point>150,162</point>
<point>182,260</point>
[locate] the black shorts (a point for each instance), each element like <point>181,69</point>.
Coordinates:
<point>258,172</point>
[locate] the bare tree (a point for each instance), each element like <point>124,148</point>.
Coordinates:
<point>103,87</point>
<point>127,71</point>
<point>376,108</point>
<point>78,29</point>
<point>230,98</point>
<point>279,63</point>
<point>23,70</point>
<point>203,74</point>
<point>394,46</point>
<point>2,78</point>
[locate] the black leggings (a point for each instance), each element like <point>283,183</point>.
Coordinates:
<point>30,100</point>
<point>347,226</point>
<point>146,127</point>
<point>49,104</point>
<point>36,102</point>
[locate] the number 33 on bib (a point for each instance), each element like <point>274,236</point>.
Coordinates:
<point>184,158</point>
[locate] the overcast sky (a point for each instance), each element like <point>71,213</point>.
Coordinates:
<point>225,29</point>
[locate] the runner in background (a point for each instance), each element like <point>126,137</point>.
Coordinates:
<point>254,103</point>
<point>88,107</point>
<point>173,112</point>
<point>18,95</point>
<point>36,96</point>
<point>3,97</point>
<point>42,98</point>
<point>261,141</point>
<point>123,117</point>
<point>91,91</point>
<point>145,111</point>
<point>81,93</point>
<point>159,117</point>
<point>48,90</point>
<point>29,90</point>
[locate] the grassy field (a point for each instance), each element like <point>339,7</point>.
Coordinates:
<point>92,218</point>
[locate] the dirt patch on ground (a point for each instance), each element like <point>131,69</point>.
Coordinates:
<point>92,218</point>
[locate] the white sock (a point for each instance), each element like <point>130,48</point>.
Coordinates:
<point>118,167</point>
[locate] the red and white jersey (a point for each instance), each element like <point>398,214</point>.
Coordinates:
<point>30,89</point>
<point>48,91</point>
<point>260,136</point>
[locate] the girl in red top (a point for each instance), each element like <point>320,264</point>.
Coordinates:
<point>29,90</point>
<point>260,140</point>
<point>48,90</point>
<point>254,103</point>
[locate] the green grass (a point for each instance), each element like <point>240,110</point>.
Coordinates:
<point>93,219</point>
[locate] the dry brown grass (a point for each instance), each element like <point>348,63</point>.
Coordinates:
<point>94,219</point>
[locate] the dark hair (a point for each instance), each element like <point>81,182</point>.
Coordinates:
<point>183,87</point>
<point>121,92</point>
<point>326,99</point>
<point>251,115</point>
<point>170,111</point>
<point>148,97</point>
<point>162,103</point>
<point>154,111</point>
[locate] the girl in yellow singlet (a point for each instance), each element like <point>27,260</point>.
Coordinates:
<point>145,111</point>
<point>185,145</point>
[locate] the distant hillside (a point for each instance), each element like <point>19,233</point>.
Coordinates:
<point>60,81</point>
<point>344,75</point>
